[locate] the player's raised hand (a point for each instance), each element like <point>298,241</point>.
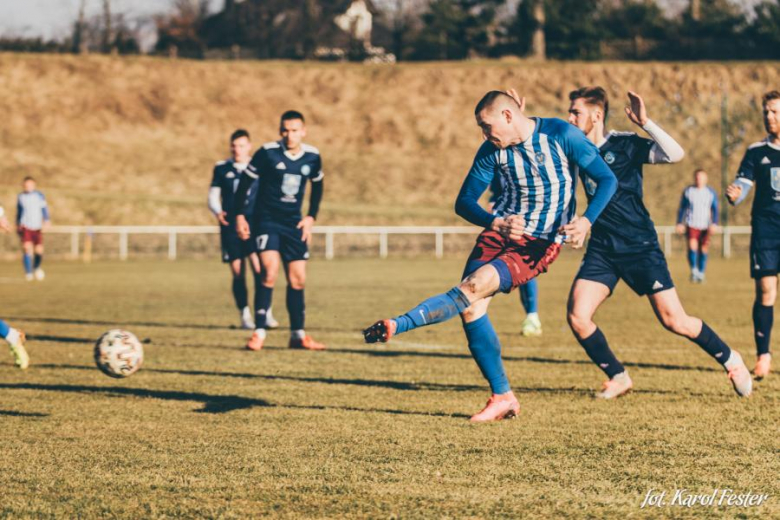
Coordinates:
<point>222,218</point>
<point>514,95</point>
<point>636,110</point>
<point>576,231</point>
<point>733,191</point>
<point>306,226</point>
<point>679,229</point>
<point>242,227</point>
<point>4,225</point>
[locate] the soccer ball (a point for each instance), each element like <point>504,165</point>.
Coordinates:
<point>118,353</point>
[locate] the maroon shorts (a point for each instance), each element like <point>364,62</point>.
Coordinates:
<point>702,235</point>
<point>526,258</point>
<point>31,235</point>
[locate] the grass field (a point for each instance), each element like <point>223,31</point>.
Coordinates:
<point>209,430</point>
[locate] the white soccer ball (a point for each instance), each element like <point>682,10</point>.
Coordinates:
<point>118,353</point>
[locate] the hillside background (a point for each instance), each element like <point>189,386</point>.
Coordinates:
<point>133,140</point>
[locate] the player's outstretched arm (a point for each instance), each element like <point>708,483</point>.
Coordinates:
<point>739,189</point>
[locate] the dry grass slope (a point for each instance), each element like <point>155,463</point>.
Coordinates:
<point>133,140</point>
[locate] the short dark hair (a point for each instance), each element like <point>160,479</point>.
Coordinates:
<point>697,171</point>
<point>28,178</point>
<point>770,96</point>
<point>238,134</point>
<point>594,96</point>
<point>490,98</point>
<point>290,115</point>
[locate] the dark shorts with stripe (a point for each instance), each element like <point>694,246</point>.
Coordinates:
<point>645,272</point>
<point>233,248</point>
<point>273,236</point>
<point>524,259</point>
<point>764,257</point>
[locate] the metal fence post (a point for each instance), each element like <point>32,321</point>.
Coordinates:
<point>726,242</point>
<point>74,244</point>
<point>439,244</point>
<point>329,245</point>
<point>172,245</point>
<point>123,244</point>
<point>383,244</point>
<point>668,242</point>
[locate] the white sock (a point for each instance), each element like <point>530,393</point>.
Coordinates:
<point>260,332</point>
<point>532,315</point>
<point>13,337</point>
<point>297,334</point>
<point>269,316</point>
<point>734,360</point>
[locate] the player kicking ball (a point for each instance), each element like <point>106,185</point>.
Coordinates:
<point>224,183</point>
<point>14,337</point>
<point>279,232</point>
<point>761,167</point>
<point>624,245</point>
<point>535,160</point>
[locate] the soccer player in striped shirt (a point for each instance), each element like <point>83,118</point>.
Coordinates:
<point>624,245</point>
<point>535,159</point>
<point>761,167</point>
<point>14,337</point>
<point>32,217</point>
<point>698,219</point>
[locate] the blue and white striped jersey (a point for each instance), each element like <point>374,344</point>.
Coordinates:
<point>698,207</point>
<point>31,210</point>
<point>537,177</point>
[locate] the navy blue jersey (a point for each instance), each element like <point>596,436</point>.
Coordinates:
<point>761,167</point>
<point>625,224</point>
<point>281,181</point>
<point>227,175</point>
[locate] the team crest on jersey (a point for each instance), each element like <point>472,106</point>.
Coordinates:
<point>774,175</point>
<point>589,185</point>
<point>291,184</point>
<point>305,169</point>
<point>230,175</point>
<point>609,157</point>
<point>540,157</point>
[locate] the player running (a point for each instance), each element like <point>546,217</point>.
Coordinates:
<point>698,219</point>
<point>535,160</point>
<point>14,337</point>
<point>32,218</point>
<point>624,245</point>
<point>279,232</point>
<point>761,167</point>
<point>221,203</point>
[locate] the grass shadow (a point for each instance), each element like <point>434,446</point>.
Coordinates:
<point>14,413</point>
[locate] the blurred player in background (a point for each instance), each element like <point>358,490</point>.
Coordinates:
<point>14,337</point>
<point>698,219</point>
<point>761,167</point>
<point>222,204</point>
<point>535,159</point>
<point>624,245</point>
<point>529,292</point>
<point>279,232</point>
<point>32,218</point>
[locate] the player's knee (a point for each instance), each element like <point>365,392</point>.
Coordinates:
<point>472,313</point>
<point>298,282</point>
<point>579,322</point>
<point>676,323</point>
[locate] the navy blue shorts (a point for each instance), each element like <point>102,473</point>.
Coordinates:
<point>233,248</point>
<point>764,258</point>
<point>645,272</point>
<point>283,238</point>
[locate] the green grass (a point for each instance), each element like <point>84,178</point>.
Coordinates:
<point>208,430</point>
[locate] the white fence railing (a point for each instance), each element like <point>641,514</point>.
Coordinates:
<point>383,232</point>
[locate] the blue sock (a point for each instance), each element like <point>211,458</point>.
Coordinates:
<point>4,329</point>
<point>486,350</point>
<point>712,344</point>
<point>27,260</point>
<point>692,258</point>
<point>433,310</point>
<point>598,351</point>
<point>763,318</point>
<point>702,261</point>
<point>529,296</point>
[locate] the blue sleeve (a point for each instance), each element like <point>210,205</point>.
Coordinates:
<point>44,208</point>
<point>714,207</point>
<point>683,207</point>
<point>585,155</point>
<point>477,181</point>
<point>19,210</point>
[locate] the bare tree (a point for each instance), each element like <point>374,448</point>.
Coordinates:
<point>696,10</point>
<point>108,30</point>
<point>538,47</point>
<point>79,39</point>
